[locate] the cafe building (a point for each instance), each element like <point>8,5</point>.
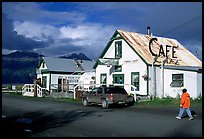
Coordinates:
<point>148,65</point>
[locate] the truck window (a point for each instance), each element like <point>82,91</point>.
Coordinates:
<point>115,90</point>
<point>99,91</point>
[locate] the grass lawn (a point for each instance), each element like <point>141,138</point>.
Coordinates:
<point>168,102</point>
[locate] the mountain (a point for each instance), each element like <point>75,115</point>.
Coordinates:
<point>22,54</point>
<point>20,67</point>
<point>79,56</point>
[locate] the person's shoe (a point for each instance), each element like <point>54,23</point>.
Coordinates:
<point>191,118</point>
<point>177,117</point>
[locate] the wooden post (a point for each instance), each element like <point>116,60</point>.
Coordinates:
<point>35,88</point>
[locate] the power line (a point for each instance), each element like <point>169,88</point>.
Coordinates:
<point>182,25</point>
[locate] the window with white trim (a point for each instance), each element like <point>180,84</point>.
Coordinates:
<point>118,49</point>
<point>177,80</point>
<point>103,78</point>
<point>135,80</point>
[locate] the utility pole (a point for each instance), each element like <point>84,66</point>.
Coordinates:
<point>162,81</point>
<point>162,75</point>
<point>153,77</point>
<point>196,52</point>
<point>154,59</point>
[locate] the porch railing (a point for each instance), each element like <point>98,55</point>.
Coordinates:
<point>62,90</point>
<point>28,90</point>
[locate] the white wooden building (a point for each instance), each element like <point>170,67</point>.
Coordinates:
<point>158,67</point>
<point>59,74</point>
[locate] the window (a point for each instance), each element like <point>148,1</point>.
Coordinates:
<point>115,90</point>
<point>93,91</point>
<point>103,78</point>
<point>118,78</point>
<point>118,49</point>
<point>73,79</point>
<point>99,90</point>
<point>177,80</point>
<point>59,84</point>
<point>135,80</point>
<point>43,65</point>
<point>118,68</point>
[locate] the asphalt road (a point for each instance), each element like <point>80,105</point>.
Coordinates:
<point>31,117</point>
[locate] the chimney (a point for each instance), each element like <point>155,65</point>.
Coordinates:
<point>148,30</point>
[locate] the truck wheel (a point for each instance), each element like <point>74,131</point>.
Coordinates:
<point>104,104</point>
<point>131,101</point>
<point>85,102</point>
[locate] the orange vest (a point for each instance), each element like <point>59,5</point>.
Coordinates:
<point>185,100</point>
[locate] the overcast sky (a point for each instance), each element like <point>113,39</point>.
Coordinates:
<point>57,28</point>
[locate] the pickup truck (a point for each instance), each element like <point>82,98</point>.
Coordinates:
<point>105,96</point>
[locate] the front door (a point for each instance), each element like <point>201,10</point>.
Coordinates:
<point>44,81</point>
<point>118,78</point>
<point>59,84</point>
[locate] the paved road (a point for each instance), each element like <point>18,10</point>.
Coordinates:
<point>22,116</point>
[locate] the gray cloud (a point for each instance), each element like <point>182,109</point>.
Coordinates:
<point>178,20</point>
<point>31,11</point>
<point>161,16</point>
<point>64,46</point>
<point>12,41</point>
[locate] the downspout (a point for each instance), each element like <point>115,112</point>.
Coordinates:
<point>148,81</point>
<point>162,68</point>
<point>162,82</point>
<point>152,78</point>
<point>162,76</point>
<point>50,84</point>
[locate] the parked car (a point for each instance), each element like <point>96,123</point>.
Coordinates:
<point>107,95</point>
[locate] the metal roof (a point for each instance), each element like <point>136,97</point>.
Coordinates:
<point>188,68</point>
<point>140,43</point>
<point>67,65</point>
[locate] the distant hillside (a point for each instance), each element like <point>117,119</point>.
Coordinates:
<point>21,54</point>
<point>20,67</point>
<point>79,56</point>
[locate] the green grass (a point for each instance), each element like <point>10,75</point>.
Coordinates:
<point>14,93</point>
<point>165,101</point>
<point>168,102</point>
<point>9,86</point>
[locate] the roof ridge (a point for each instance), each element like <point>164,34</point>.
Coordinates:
<point>145,34</point>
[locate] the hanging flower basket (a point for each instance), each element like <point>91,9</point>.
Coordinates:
<point>145,77</point>
<point>93,77</point>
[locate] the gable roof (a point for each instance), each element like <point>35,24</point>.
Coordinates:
<point>66,65</point>
<point>140,45</point>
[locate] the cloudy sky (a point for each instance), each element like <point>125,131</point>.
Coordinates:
<point>58,28</point>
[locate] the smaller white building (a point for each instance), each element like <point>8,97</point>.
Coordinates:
<point>149,65</point>
<point>59,74</point>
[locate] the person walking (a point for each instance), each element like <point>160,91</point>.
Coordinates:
<point>184,105</point>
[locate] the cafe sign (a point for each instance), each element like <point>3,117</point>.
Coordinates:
<point>162,52</point>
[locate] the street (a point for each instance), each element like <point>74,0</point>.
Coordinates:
<point>23,116</point>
